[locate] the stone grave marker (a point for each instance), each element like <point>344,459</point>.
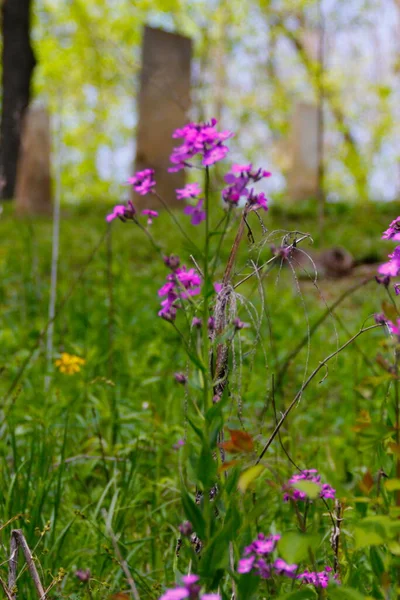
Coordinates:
<point>33,194</point>
<point>303,172</point>
<point>163,104</point>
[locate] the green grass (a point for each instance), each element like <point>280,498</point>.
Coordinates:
<point>94,452</point>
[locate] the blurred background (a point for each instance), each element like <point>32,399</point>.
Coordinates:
<point>273,71</point>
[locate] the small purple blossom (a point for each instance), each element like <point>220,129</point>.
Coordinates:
<point>172,261</point>
<point>196,212</point>
<point>282,568</point>
<point>384,280</point>
<point>218,287</point>
<point>122,212</point>
<point>190,590</point>
<point>143,182</point>
<point>196,322</point>
<point>191,190</point>
<point>257,201</point>
<point>178,444</point>
<point>318,579</point>
<point>282,251</point>
<point>180,378</point>
<point>211,323</point>
<point>151,214</point>
<point>291,493</point>
<point>396,288</point>
<point>393,232</point>
<point>202,139</point>
<point>186,528</point>
<point>379,318</point>
<point>262,544</point>
<point>83,575</point>
<point>394,328</point>
<point>181,284</point>
<point>238,180</point>
<point>245,565</point>
<point>238,324</point>
<point>392,267</point>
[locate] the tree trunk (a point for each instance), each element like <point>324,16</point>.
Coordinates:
<point>18,61</point>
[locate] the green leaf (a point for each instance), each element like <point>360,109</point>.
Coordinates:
<point>248,476</point>
<point>339,592</point>
<point>294,547</point>
<point>392,485</point>
<point>312,490</point>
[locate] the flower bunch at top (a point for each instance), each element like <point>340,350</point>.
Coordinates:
<point>202,139</point>
<point>181,284</point>
<point>238,181</point>
<point>290,492</point>
<point>143,182</point>
<point>190,589</point>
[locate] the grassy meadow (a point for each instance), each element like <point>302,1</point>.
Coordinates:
<point>90,463</point>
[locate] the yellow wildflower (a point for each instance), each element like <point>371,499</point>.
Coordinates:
<point>69,363</point>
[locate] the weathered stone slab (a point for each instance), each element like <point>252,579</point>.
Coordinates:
<point>163,104</point>
<point>33,185</point>
<point>303,173</point>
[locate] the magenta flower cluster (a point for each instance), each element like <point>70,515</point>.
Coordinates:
<point>258,560</point>
<point>391,268</point>
<point>143,182</point>
<point>181,284</point>
<point>238,181</point>
<point>199,139</point>
<point>190,589</point>
<point>291,493</point>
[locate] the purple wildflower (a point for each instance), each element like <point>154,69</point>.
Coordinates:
<point>143,182</point>
<point>238,324</point>
<point>245,565</point>
<point>394,328</point>
<point>393,232</point>
<point>180,378</point>
<point>83,575</point>
<point>263,545</point>
<point>396,288</point>
<point>318,579</point>
<point>211,323</point>
<point>282,568</point>
<point>199,138</point>
<point>196,212</point>
<point>176,594</point>
<point>379,318</point>
<point>238,179</point>
<point>122,212</point>
<point>178,444</point>
<point>392,267</point>
<point>196,322</point>
<point>384,280</point>
<point>186,528</point>
<point>190,590</point>
<point>151,214</point>
<point>181,284</point>
<point>191,190</point>
<point>172,261</point>
<point>282,251</point>
<point>290,492</point>
<point>257,201</point>
<point>218,287</point>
